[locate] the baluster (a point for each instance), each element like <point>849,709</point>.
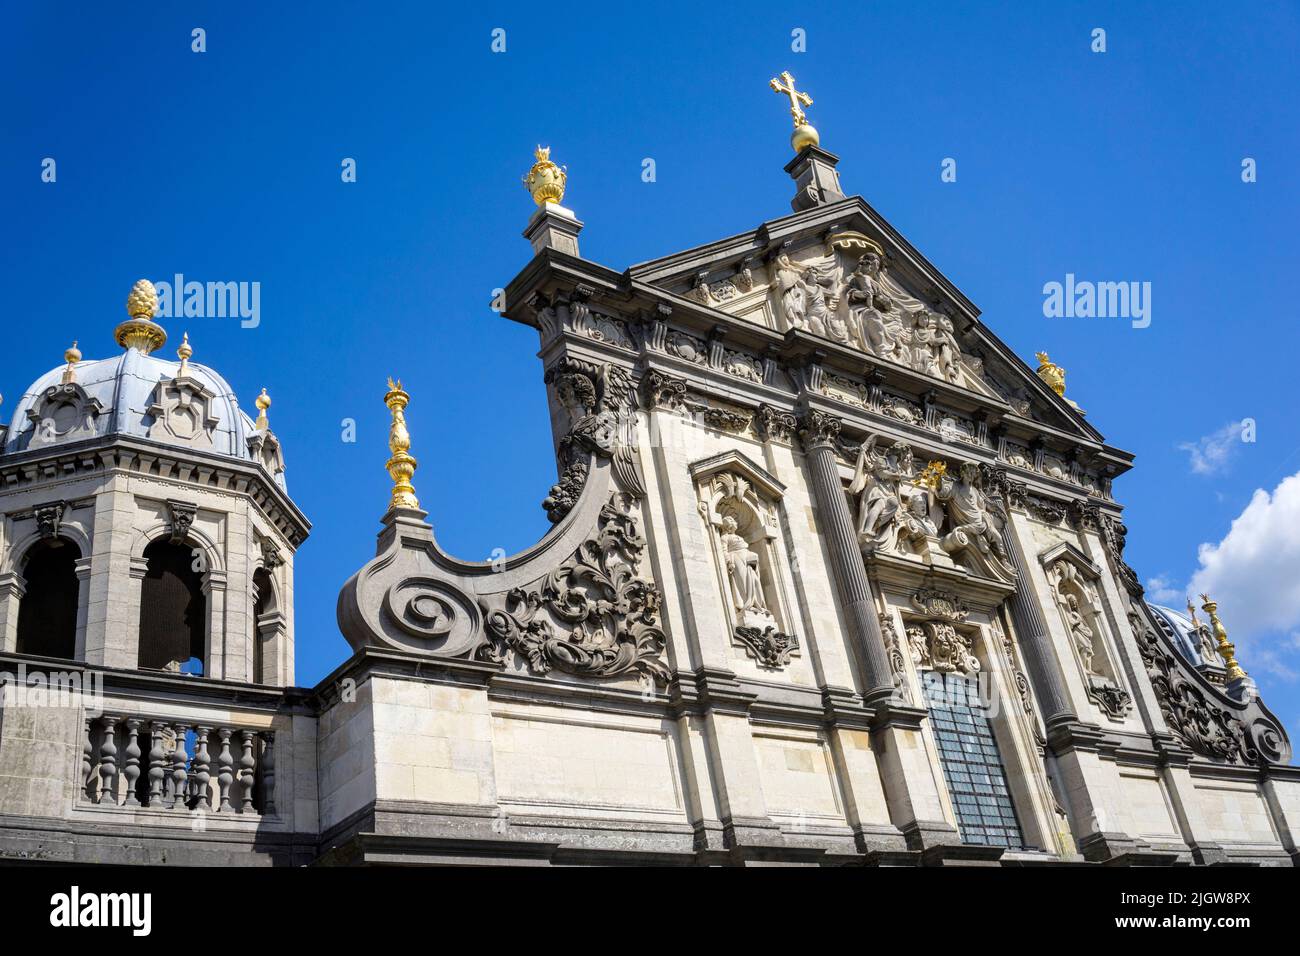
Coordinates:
<point>179,758</point>
<point>246,764</point>
<point>201,767</point>
<point>225,769</point>
<point>268,772</point>
<point>108,762</point>
<point>157,763</point>
<point>131,769</point>
<point>89,779</point>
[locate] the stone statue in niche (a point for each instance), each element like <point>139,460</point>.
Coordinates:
<point>745,534</point>
<point>743,572</point>
<point>1080,631</point>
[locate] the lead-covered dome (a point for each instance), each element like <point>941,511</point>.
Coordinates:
<point>177,402</point>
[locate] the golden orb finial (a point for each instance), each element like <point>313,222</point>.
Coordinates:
<point>1227,650</point>
<point>804,133</point>
<point>72,356</point>
<point>401,466</point>
<point>545,180</point>
<point>140,332</point>
<point>263,402</point>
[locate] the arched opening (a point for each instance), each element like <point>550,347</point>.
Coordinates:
<point>47,614</point>
<point>264,631</point>
<point>173,610</point>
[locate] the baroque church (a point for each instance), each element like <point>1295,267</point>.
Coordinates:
<point>834,578</point>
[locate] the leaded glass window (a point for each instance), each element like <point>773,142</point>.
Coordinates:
<point>972,765</point>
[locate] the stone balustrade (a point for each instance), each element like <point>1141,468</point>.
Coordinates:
<point>169,764</point>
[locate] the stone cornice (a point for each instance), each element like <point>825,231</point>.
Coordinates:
<point>142,456</point>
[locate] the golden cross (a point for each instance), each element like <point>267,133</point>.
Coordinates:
<point>796,98</point>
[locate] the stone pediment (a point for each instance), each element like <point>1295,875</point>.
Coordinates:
<point>841,273</point>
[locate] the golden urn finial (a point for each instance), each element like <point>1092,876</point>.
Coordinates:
<point>184,353</point>
<point>804,134</point>
<point>72,356</point>
<point>1227,650</point>
<point>140,332</point>
<point>401,466</point>
<point>545,180</point>
<point>263,402</point>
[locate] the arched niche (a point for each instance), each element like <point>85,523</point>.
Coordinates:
<point>50,601</point>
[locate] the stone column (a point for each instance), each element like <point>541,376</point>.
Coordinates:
<point>1035,639</point>
<point>83,605</point>
<point>11,595</point>
<point>819,432</point>
<point>216,663</point>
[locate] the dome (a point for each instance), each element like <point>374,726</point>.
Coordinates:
<point>1187,636</point>
<point>122,396</point>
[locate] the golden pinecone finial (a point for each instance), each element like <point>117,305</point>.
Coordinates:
<point>72,356</point>
<point>140,332</point>
<point>1227,650</point>
<point>401,466</point>
<point>263,402</point>
<point>545,180</point>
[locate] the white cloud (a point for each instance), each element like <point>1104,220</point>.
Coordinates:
<point>1254,574</point>
<point>1162,590</point>
<point>1211,453</point>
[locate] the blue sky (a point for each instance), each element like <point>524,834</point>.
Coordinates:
<point>225,165</point>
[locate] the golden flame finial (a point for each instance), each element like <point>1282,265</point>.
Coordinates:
<point>401,466</point>
<point>72,356</point>
<point>140,332</point>
<point>804,133</point>
<point>933,475</point>
<point>545,180</point>
<point>1226,648</point>
<point>263,402</point>
<point>184,353</point>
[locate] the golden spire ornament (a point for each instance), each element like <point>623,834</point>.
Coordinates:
<point>545,180</point>
<point>1226,648</point>
<point>804,134</point>
<point>184,353</point>
<point>72,356</point>
<point>140,332</point>
<point>401,466</point>
<point>263,402</point>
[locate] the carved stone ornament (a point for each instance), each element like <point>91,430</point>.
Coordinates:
<point>601,401</point>
<point>564,495</point>
<point>1211,725</point>
<point>663,391</point>
<point>63,413</point>
<point>592,616</point>
<point>818,428</point>
<point>1074,585</point>
<point>773,424</point>
<point>183,411</point>
<point>1113,536</point>
<point>272,558</point>
<point>769,646</point>
<point>48,519</point>
<point>897,666</point>
<point>933,639</point>
<point>181,519</point>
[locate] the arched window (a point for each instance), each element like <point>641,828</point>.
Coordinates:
<point>47,616</point>
<point>173,610</point>
<point>262,633</point>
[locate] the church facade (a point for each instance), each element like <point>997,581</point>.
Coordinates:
<point>833,578</point>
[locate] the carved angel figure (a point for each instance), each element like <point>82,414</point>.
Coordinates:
<point>819,306</point>
<point>742,569</point>
<point>878,484</point>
